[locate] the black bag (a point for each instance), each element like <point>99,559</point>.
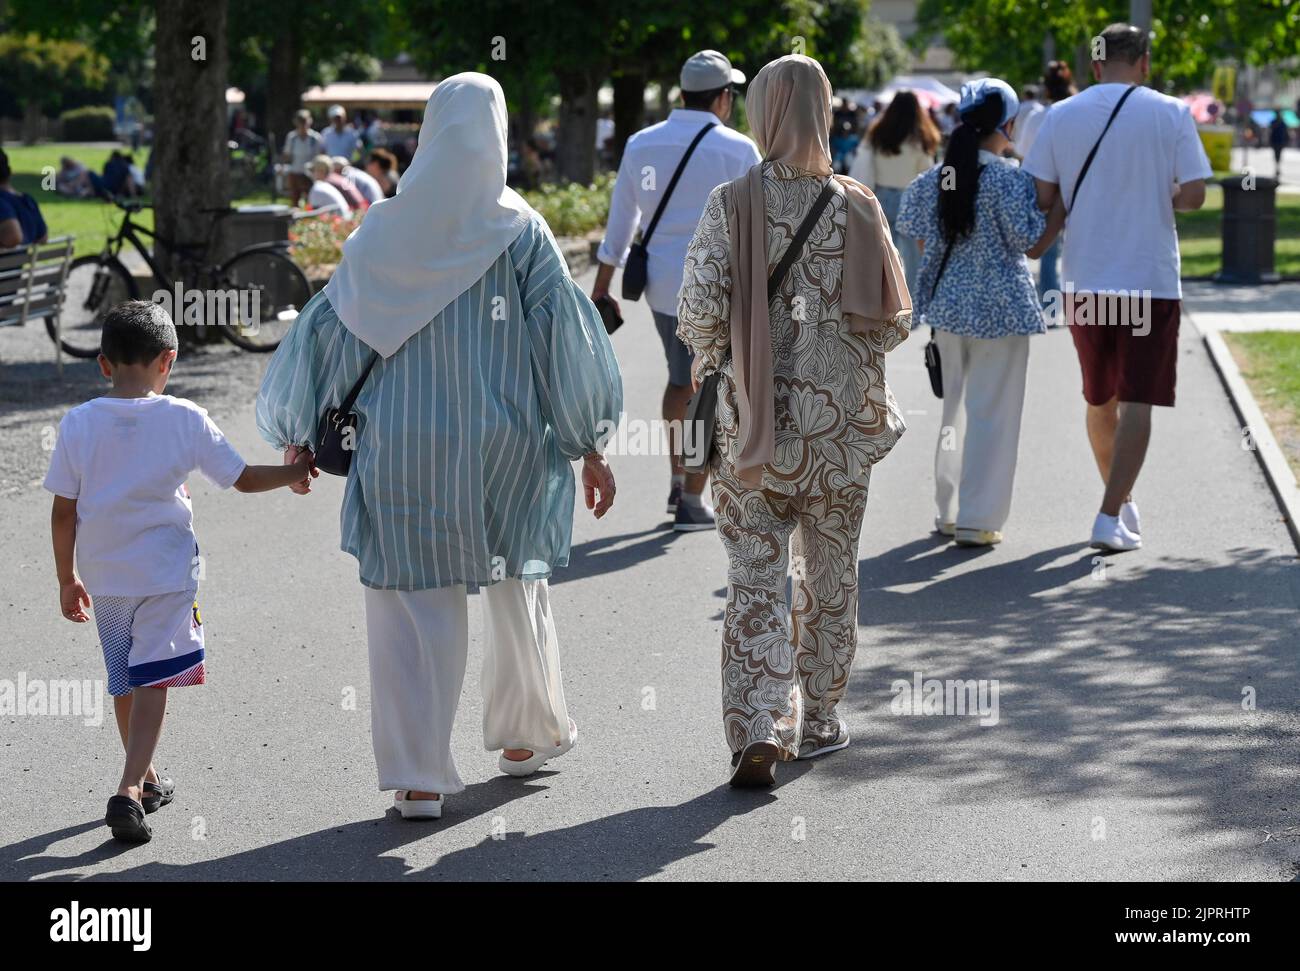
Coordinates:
<point>702,411</point>
<point>634,270</point>
<point>933,365</point>
<point>336,433</point>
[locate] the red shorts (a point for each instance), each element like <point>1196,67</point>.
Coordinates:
<point>1132,357</point>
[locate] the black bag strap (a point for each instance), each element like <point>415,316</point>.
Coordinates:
<point>943,265</point>
<point>346,404</point>
<point>672,184</point>
<point>1087,163</point>
<point>800,237</point>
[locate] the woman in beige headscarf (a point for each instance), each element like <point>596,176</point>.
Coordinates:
<point>803,414</point>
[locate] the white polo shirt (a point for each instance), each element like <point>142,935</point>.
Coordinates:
<point>1121,233</point>
<point>649,160</point>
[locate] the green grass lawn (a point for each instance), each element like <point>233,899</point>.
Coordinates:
<point>1270,363</point>
<point>1200,236</point>
<point>91,221</point>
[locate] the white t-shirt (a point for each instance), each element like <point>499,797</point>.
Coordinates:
<point>125,462</point>
<point>322,195</point>
<point>1121,234</point>
<point>1028,121</point>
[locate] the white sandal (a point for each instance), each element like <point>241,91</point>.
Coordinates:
<point>417,808</point>
<point>539,757</point>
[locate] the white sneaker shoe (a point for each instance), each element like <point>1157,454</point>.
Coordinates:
<point>1109,533</point>
<point>417,808</point>
<point>1128,515</point>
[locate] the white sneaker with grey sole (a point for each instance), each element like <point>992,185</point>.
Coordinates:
<point>1109,533</point>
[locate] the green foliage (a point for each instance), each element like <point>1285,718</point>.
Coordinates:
<point>1006,37</point>
<point>40,71</point>
<point>573,210</point>
<point>91,124</point>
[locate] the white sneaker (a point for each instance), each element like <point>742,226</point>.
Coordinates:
<point>1128,515</point>
<point>1109,533</point>
<point>417,808</point>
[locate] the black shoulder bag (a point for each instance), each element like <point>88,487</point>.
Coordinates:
<point>336,434</point>
<point>635,269</point>
<point>701,412</point>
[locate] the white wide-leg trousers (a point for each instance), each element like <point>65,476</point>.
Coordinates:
<point>418,643</point>
<point>983,397</point>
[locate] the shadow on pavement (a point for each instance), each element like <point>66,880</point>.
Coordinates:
<point>1117,680</point>
<point>630,845</point>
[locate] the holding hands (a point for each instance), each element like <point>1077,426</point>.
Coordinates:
<point>297,455</point>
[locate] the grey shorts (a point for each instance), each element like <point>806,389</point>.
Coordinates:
<point>680,357</point>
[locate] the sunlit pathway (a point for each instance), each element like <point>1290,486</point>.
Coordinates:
<point>1148,706</point>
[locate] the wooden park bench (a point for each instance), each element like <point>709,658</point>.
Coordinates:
<point>33,283</point>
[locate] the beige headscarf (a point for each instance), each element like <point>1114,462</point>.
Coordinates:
<point>789,107</point>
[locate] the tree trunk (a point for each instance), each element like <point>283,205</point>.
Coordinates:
<point>32,122</point>
<point>191,163</point>
<point>629,109</point>
<point>575,151</point>
<point>284,85</point>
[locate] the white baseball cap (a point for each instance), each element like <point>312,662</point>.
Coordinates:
<point>708,71</point>
<point>337,111</point>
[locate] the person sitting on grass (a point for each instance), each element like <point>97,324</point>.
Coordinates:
<point>120,503</point>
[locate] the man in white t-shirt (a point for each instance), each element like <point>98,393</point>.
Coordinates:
<point>708,85</point>
<point>340,138</point>
<point>123,531</point>
<point>1120,262</point>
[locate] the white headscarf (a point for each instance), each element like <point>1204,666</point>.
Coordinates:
<point>452,217</point>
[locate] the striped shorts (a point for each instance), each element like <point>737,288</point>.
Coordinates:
<point>150,642</point>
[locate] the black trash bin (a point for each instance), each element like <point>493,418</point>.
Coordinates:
<point>1249,230</point>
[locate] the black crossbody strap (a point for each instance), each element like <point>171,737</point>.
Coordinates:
<point>672,184</point>
<point>1087,163</point>
<point>800,237</point>
<point>943,264</point>
<point>346,404</point>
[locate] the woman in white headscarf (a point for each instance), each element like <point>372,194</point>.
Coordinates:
<point>491,373</point>
<point>803,414</point>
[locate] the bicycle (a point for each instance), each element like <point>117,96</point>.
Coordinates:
<point>262,274</point>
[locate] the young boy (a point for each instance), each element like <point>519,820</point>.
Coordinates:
<point>118,476</point>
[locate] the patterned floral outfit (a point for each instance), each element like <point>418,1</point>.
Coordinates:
<point>784,669</point>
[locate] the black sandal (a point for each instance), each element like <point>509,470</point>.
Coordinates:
<point>157,794</point>
<point>125,817</point>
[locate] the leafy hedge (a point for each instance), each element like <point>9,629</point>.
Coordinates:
<point>573,210</point>
<point>92,124</point>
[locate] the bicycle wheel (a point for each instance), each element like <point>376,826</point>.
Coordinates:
<point>95,285</point>
<point>272,290</point>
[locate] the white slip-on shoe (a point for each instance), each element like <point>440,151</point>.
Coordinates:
<point>976,537</point>
<point>539,757</point>
<point>1128,515</point>
<point>417,808</point>
<point>946,529</point>
<point>1110,534</point>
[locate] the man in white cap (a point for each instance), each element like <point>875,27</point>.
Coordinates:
<point>652,155</point>
<point>340,137</point>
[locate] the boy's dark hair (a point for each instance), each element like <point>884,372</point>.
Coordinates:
<point>5,171</point>
<point>701,100</point>
<point>135,332</point>
<point>1124,42</point>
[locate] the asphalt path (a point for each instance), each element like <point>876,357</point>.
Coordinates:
<point>1148,703</point>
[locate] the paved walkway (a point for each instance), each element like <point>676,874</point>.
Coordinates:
<point>1122,748</point>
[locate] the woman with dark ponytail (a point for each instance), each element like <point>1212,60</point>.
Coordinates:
<point>976,215</point>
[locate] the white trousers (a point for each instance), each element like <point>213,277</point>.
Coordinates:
<point>418,644</point>
<point>983,397</point>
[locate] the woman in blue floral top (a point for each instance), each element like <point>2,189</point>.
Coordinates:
<point>976,215</point>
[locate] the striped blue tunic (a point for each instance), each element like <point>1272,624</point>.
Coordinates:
<point>461,471</point>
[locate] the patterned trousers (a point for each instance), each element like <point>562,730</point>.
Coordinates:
<point>785,668</point>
